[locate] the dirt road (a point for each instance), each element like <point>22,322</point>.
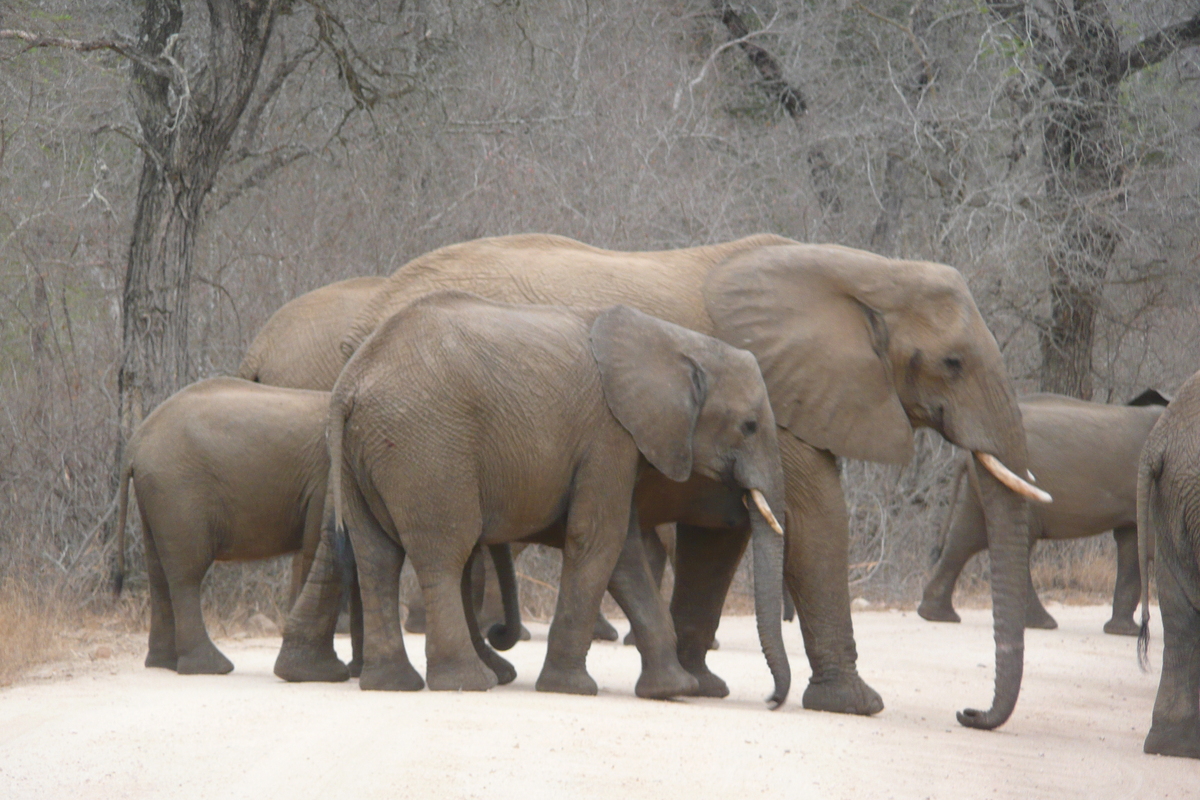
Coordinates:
<point>112,729</point>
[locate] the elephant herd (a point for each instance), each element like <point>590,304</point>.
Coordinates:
<point>532,388</point>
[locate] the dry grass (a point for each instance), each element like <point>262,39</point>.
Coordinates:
<point>32,628</point>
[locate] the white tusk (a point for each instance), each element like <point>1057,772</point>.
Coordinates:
<point>1029,474</point>
<point>1009,479</point>
<point>764,508</point>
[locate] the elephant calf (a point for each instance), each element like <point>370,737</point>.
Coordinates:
<point>223,470</point>
<point>1085,455</point>
<point>1168,493</point>
<point>462,422</point>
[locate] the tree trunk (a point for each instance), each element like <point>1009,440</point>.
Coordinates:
<point>188,116</point>
<point>1077,51</point>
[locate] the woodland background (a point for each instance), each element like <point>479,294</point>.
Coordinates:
<point>162,193</point>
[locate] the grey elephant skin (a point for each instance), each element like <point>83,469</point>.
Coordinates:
<point>1169,535</point>
<point>462,421</point>
<point>1086,456</point>
<point>223,470</point>
<point>856,350</point>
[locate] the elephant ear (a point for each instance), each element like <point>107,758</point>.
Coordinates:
<point>812,317</point>
<point>651,384</point>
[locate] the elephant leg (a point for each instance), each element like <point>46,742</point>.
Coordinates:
<point>356,628</point>
<point>442,559</point>
<point>1175,725</point>
<point>414,600</point>
<point>505,672</point>
<point>656,559</point>
<point>162,615</point>
<point>595,534</point>
<point>1129,583</point>
<point>386,666</point>
<point>633,587</point>
<point>1036,615</point>
<point>603,630</point>
<point>966,536</point>
<point>197,655</point>
<point>817,574</point>
<point>307,652</point>
<point>706,559</point>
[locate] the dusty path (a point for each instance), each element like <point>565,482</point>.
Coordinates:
<point>116,730</point>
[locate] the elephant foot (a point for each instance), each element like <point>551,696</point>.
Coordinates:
<point>1182,740</point>
<point>1121,627</point>
<point>710,685</point>
<point>1039,617</point>
<point>390,677</point>
<point>462,676</point>
<point>203,661</point>
<point>355,667</point>
<point>161,660</point>
<point>505,672</point>
<point>298,664</point>
<point>603,631</point>
<point>938,611</point>
<point>564,681</point>
<point>667,682</point>
<point>842,695</point>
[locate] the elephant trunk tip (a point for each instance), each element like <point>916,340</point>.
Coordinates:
<point>777,698</point>
<point>982,720</point>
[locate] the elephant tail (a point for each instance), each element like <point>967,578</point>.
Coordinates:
<point>122,516</point>
<point>1147,519</point>
<point>339,410</point>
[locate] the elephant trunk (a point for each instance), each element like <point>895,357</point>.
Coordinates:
<point>1006,515</point>
<point>768,590</point>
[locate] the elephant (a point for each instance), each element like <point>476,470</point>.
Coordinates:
<point>463,421</point>
<point>1168,501</point>
<point>1086,455</point>
<point>307,331</point>
<point>856,350</point>
<point>223,470</point>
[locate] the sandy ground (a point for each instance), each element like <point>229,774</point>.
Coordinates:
<point>109,728</point>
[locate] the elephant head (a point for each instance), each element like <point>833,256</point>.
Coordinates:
<point>694,404</point>
<point>856,351</point>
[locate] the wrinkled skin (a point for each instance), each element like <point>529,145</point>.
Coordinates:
<point>856,350</point>
<point>300,344</point>
<point>1169,534</point>
<point>223,470</point>
<point>1085,455</point>
<point>463,421</point>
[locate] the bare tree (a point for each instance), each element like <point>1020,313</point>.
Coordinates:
<point>1079,63</point>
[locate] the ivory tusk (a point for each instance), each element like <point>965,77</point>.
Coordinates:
<point>1011,480</point>
<point>1029,474</point>
<point>764,508</point>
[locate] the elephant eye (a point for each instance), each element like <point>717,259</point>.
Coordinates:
<point>749,427</point>
<point>953,363</point>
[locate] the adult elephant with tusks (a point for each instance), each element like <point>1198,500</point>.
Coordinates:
<point>856,350</point>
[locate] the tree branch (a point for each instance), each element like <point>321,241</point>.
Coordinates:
<point>772,74</point>
<point>1156,48</point>
<point>155,64</point>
